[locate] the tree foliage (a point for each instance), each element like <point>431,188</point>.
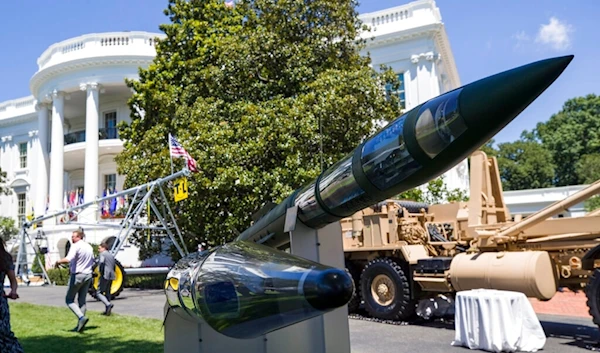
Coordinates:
<point>588,168</point>
<point>434,192</point>
<point>571,134</point>
<point>264,95</point>
<point>525,165</point>
<point>565,150</point>
<point>3,188</point>
<point>7,228</point>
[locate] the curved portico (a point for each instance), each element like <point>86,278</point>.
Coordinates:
<point>81,93</point>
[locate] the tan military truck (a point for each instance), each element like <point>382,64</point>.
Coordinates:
<point>400,252</point>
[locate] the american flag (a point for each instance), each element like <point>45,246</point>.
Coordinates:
<point>177,151</point>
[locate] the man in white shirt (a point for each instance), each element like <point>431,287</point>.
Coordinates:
<point>81,262</point>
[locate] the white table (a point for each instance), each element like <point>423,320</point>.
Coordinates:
<point>496,321</point>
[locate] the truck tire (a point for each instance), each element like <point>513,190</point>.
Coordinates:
<point>592,292</point>
<point>385,290</point>
<point>354,302</point>
<point>117,284</point>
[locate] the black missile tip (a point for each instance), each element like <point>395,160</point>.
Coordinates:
<point>489,104</point>
<point>328,289</point>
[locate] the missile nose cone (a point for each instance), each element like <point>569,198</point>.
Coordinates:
<point>328,289</point>
<point>491,103</point>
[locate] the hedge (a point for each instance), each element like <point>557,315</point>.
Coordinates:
<point>60,276</point>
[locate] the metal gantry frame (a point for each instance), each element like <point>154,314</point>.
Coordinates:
<point>141,202</point>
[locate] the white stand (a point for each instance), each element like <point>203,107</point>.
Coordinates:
<point>327,333</point>
<point>497,321</point>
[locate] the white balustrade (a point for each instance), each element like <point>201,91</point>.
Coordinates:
<point>98,45</point>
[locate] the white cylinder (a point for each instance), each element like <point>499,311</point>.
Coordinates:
<point>41,192</point>
<point>91,142</point>
<point>57,153</point>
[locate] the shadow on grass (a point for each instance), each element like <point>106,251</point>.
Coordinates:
<point>586,337</point>
<point>87,342</point>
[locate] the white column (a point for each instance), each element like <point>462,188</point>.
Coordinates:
<point>91,145</point>
<point>426,85</point>
<point>41,167</point>
<point>57,153</point>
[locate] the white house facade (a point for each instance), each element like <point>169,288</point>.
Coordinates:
<point>412,40</point>
<point>526,202</point>
<point>58,145</point>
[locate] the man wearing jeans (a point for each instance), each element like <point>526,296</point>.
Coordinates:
<point>81,262</point>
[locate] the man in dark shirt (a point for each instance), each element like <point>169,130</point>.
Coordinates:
<point>106,266</point>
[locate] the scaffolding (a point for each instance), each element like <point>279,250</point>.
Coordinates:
<point>138,214</point>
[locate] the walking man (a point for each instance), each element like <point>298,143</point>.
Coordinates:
<point>81,262</point>
<point>106,265</point>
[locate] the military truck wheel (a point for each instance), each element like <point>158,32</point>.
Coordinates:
<point>354,302</point>
<point>117,284</point>
<point>592,292</point>
<point>386,291</point>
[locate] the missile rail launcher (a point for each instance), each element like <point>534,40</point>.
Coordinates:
<point>400,252</point>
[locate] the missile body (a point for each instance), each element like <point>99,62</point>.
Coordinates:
<point>245,290</point>
<point>417,147</point>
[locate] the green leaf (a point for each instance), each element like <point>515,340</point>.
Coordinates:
<point>264,95</point>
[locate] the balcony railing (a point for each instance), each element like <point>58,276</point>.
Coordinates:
<point>75,137</point>
<point>79,136</point>
<point>108,133</point>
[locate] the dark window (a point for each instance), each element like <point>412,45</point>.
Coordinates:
<point>23,155</point>
<point>110,125</point>
<point>397,92</point>
<point>21,208</point>
<point>110,182</point>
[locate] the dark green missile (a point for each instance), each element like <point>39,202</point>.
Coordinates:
<point>415,148</point>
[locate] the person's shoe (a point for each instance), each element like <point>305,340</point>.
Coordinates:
<point>81,324</point>
<point>109,309</point>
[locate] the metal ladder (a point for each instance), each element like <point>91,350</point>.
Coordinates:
<point>137,216</point>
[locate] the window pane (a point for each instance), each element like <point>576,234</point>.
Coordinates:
<point>110,125</point>
<point>110,182</point>
<point>399,92</point>
<point>21,208</point>
<point>23,155</point>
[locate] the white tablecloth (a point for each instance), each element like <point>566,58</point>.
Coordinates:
<point>496,321</point>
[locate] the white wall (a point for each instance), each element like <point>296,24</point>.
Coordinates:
<point>528,201</point>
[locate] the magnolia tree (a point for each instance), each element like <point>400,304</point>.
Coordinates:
<point>263,94</point>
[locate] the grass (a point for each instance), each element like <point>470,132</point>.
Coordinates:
<point>46,329</point>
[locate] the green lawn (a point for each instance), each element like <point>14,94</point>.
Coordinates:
<point>45,329</point>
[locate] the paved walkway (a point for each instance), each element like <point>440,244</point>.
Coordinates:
<point>143,303</point>
<point>566,334</point>
<point>566,303</point>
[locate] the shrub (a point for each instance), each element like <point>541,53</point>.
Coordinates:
<point>59,276</point>
<point>35,267</point>
<point>150,281</point>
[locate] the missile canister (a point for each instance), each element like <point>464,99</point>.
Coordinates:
<point>245,290</point>
<point>417,147</point>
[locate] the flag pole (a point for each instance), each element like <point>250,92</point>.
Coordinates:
<point>170,152</point>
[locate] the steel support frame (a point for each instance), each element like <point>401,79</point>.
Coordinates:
<point>141,197</point>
